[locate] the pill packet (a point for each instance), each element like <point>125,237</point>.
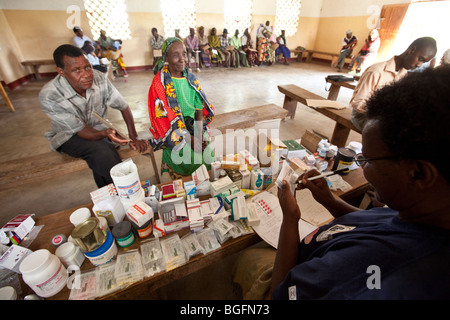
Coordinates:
<point>152,257</point>
<point>191,245</point>
<point>84,286</point>
<point>129,268</point>
<point>173,251</point>
<point>208,240</point>
<point>106,279</point>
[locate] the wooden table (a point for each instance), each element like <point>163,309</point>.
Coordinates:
<point>58,223</point>
<point>36,64</point>
<point>336,87</point>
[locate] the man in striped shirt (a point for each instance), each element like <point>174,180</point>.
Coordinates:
<point>69,100</point>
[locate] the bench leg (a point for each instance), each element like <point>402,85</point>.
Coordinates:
<point>290,105</point>
<point>36,72</point>
<point>299,57</point>
<point>334,92</point>
<point>309,58</point>
<point>151,154</point>
<point>340,135</point>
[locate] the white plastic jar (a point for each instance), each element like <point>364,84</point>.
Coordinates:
<point>79,215</point>
<point>70,254</point>
<point>44,273</point>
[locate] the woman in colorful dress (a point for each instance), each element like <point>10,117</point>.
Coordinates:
<point>179,113</point>
<point>214,44</point>
<point>262,35</point>
<point>205,54</point>
<point>247,45</point>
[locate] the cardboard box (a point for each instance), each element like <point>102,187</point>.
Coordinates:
<point>12,258</point>
<point>17,228</point>
<point>201,179</point>
<point>140,213</point>
<point>181,220</point>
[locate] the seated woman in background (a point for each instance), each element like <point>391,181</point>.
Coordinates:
<point>247,46</point>
<point>214,44</point>
<point>368,53</point>
<point>205,54</point>
<point>179,113</point>
<point>282,48</point>
<point>262,36</point>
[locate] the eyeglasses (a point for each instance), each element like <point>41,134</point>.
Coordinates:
<point>361,160</point>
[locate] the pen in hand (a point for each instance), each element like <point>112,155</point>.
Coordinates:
<point>326,174</point>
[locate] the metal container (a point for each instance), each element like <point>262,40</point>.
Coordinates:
<point>89,235</point>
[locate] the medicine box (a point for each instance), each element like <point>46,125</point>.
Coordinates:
<point>176,208</point>
<point>103,193</point>
<point>12,258</point>
<point>221,185</point>
<point>201,179</point>
<point>17,228</point>
<point>140,213</point>
<point>238,208</point>
<point>196,221</point>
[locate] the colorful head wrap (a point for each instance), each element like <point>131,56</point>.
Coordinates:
<point>165,48</point>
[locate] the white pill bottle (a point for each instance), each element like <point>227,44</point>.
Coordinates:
<point>44,273</point>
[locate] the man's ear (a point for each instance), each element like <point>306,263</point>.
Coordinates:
<point>423,174</point>
<point>60,71</point>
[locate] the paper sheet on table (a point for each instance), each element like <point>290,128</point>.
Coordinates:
<point>324,104</point>
<point>270,224</point>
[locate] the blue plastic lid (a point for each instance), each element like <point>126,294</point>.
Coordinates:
<point>103,248</point>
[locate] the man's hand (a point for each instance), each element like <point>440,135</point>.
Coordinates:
<point>139,145</point>
<point>113,136</point>
<point>319,187</point>
<point>288,203</point>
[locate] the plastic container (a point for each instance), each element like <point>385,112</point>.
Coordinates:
<point>344,158</point>
<point>105,253</point>
<point>8,293</point>
<point>79,216</point>
<point>44,273</point>
<point>88,235</point>
<point>70,254</point>
<point>144,231</point>
<point>58,240</point>
<point>126,179</point>
<point>123,233</point>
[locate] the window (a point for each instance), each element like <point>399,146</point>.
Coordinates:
<point>286,17</point>
<point>238,15</point>
<point>178,15</point>
<point>109,15</point>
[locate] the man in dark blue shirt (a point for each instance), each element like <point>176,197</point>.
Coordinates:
<point>401,251</point>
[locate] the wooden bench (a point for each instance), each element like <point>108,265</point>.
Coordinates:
<point>44,166</point>
<point>246,118</point>
<point>336,87</point>
<point>294,94</point>
<point>36,64</point>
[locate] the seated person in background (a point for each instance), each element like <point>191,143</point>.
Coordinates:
<point>157,42</point>
<point>229,56</point>
<point>115,57</point>
<point>368,53</point>
<point>88,49</point>
<point>179,113</point>
<point>69,100</point>
<point>272,47</point>
<point>205,54</point>
<point>214,43</point>
<point>240,54</point>
<point>379,74</point>
<point>80,38</point>
<point>247,46</point>
<point>105,42</point>
<point>282,48</point>
<point>262,41</point>
<point>348,43</point>
<point>396,252</point>
<point>191,42</point>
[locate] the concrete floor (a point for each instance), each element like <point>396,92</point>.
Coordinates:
<point>23,131</point>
